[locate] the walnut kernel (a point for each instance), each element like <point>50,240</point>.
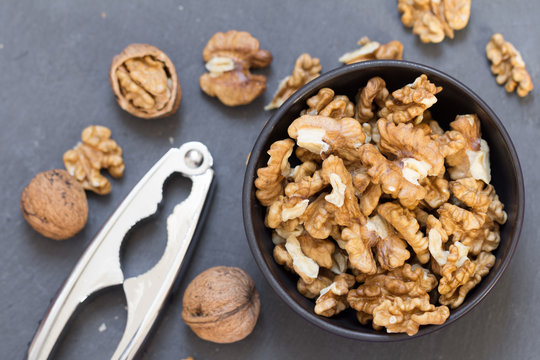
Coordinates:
<point>305,69</point>
<point>508,65</point>
<point>229,57</point>
<point>372,50</point>
<point>432,20</point>
<point>336,223</point>
<point>97,151</point>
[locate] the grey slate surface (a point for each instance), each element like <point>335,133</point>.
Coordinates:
<point>54,62</point>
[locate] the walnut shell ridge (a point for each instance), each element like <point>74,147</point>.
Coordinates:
<point>54,204</point>
<point>221,304</point>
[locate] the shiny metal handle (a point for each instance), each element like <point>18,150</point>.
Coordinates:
<point>99,266</point>
<point>147,293</point>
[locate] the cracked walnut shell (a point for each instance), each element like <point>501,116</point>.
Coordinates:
<point>96,151</point>
<point>221,305</point>
<point>55,205</point>
<point>144,82</point>
<point>229,57</point>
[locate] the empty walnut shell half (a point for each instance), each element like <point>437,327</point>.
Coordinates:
<point>221,304</point>
<point>55,205</point>
<point>145,82</point>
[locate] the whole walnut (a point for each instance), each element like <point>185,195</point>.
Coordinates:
<point>144,82</point>
<point>55,205</point>
<point>221,304</point>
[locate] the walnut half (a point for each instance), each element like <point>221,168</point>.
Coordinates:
<point>96,151</point>
<point>305,69</point>
<point>372,50</point>
<point>508,66</point>
<point>228,57</point>
<point>144,82</point>
<point>432,20</point>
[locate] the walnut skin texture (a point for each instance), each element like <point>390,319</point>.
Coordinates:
<point>305,69</point>
<point>97,151</point>
<point>269,182</point>
<point>55,205</point>
<point>390,177</point>
<point>317,220</point>
<point>221,305</point>
<point>341,202</point>
<point>144,82</point>
<point>406,225</point>
<point>372,50</point>
<point>405,142</point>
<point>432,20</point>
<point>508,65</point>
<point>229,57</point>
<point>483,263</point>
<point>325,135</point>
<point>333,299</point>
<point>326,103</point>
<point>410,101</point>
<point>375,90</point>
<point>398,300</point>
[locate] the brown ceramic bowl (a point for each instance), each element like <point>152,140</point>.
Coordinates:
<point>455,99</point>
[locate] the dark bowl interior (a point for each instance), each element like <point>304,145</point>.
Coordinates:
<point>454,99</point>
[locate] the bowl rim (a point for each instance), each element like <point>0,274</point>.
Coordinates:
<point>251,172</point>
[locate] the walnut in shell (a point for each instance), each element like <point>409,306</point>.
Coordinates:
<point>221,304</point>
<point>55,205</point>
<point>144,82</point>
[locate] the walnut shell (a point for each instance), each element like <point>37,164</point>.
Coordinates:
<point>54,204</point>
<point>144,98</point>
<point>221,304</point>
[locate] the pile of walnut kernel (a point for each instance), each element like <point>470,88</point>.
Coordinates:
<point>386,212</point>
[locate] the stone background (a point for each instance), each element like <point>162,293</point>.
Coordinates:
<point>54,58</point>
